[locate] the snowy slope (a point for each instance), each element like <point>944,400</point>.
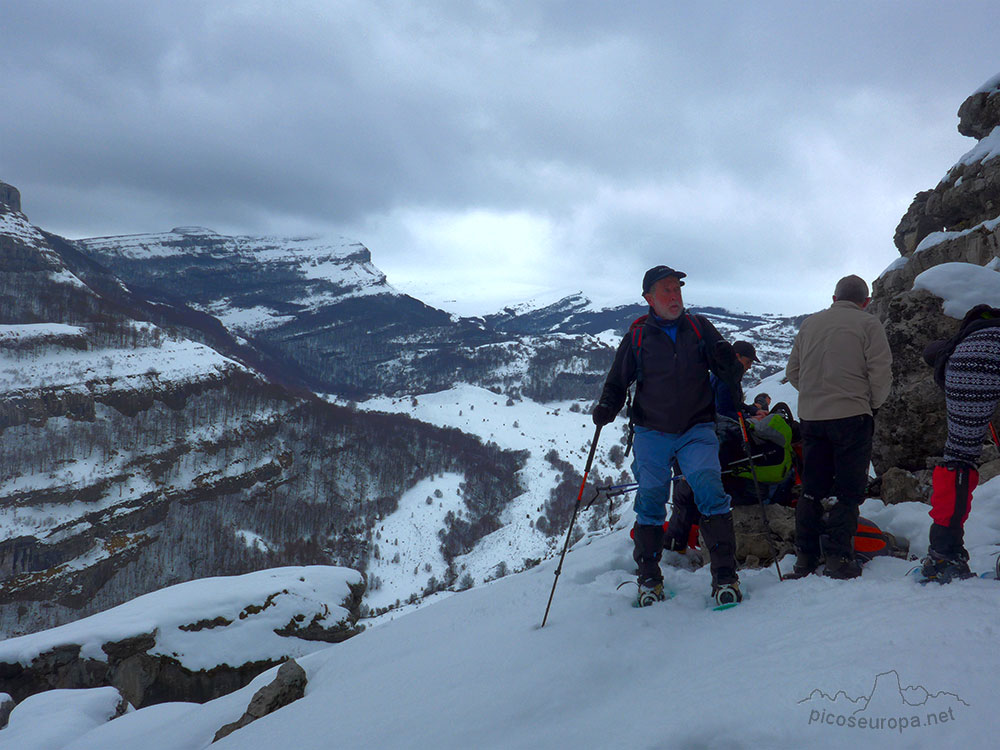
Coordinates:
<point>790,668</point>
<point>411,531</point>
<point>524,425</point>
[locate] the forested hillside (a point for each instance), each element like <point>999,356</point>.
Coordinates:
<point>135,456</point>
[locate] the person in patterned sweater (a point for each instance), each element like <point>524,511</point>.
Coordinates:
<point>967,367</point>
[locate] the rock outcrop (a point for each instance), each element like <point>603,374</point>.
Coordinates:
<point>192,642</point>
<point>756,544</point>
<point>6,706</point>
<point>957,221</point>
<point>288,685</point>
<point>10,196</point>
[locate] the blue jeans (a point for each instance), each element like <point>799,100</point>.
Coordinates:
<point>696,451</point>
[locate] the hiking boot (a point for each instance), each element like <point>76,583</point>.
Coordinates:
<point>805,565</point>
<point>720,542</point>
<point>842,567</point>
<point>727,594</point>
<point>945,568</point>
<point>650,592</point>
<point>648,550</point>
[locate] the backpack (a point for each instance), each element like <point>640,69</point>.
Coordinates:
<point>771,440</point>
<point>870,541</point>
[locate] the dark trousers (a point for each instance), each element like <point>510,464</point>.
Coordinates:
<point>835,458</point>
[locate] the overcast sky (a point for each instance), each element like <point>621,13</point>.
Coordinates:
<point>487,152</point>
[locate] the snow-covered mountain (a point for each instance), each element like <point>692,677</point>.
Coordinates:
<point>145,445</point>
<point>320,307</point>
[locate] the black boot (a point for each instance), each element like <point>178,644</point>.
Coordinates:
<point>720,541</point>
<point>947,558</point>
<point>808,527</point>
<point>647,552</point>
<point>804,565</point>
<point>838,542</point>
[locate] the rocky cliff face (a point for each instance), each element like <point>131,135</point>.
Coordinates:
<point>957,221</point>
<point>10,196</point>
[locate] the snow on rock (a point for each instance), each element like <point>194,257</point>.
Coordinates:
<point>51,720</point>
<point>962,286</point>
<point>986,149</point>
<point>210,621</point>
<point>895,265</point>
<point>936,238</point>
<point>104,368</point>
<point>797,665</point>
<point>993,84</point>
<point>16,334</point>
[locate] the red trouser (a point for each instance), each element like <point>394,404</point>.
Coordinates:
<point>951,499</point>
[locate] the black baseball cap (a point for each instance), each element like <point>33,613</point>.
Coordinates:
<point>746,349</point>
<point>656,273</point>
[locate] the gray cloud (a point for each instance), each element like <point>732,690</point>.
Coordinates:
<point>781,136</point>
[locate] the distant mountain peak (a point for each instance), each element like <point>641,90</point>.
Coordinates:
<point>198,231</point>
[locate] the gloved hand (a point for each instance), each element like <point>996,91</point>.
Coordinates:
<point>603,414</point>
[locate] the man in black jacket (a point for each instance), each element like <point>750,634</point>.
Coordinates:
<point>669,354</point>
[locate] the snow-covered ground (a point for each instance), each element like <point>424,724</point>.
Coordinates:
<point>817,663</point>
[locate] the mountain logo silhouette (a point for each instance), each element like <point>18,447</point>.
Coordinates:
<point>887,693</point>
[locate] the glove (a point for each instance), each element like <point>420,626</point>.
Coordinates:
<point>603,414</point>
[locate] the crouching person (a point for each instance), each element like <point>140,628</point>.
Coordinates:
<point>669,354</point>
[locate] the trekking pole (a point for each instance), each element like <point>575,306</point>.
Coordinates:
<point>760,497</point>
<point>569,531</point>
<point>993,432</point>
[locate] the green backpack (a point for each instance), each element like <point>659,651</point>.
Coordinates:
<point>771,436</point>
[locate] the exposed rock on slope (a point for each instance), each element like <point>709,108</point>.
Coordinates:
<point>191,642</point>
<point>957,221</point>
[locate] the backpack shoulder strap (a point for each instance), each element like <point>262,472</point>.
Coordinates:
<point>697,331</point>
<point>635,331</point>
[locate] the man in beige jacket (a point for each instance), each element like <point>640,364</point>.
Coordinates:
<point>842,367</point>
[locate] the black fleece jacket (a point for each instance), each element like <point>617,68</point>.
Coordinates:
<point>673,391</point>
